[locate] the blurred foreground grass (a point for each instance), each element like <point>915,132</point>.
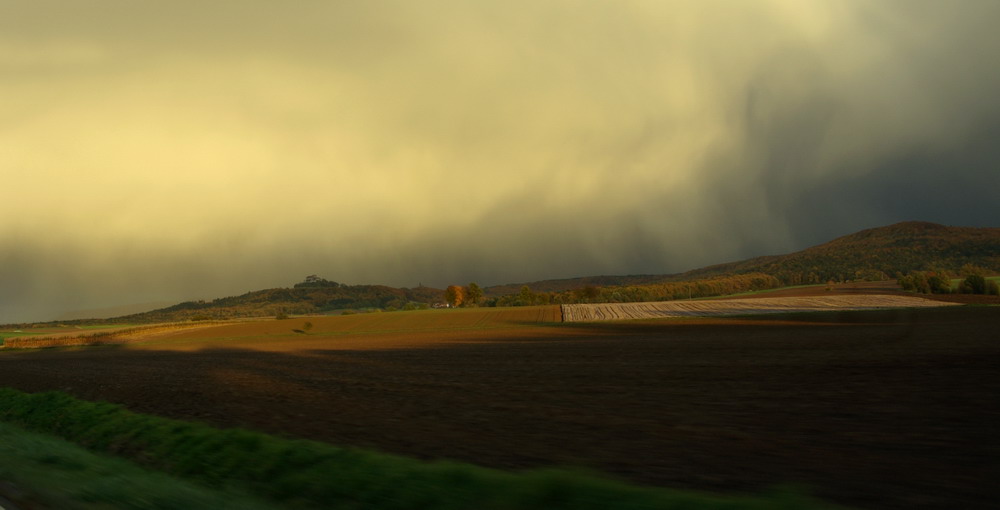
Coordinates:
<point>203,467</point>
<point>38,470</point>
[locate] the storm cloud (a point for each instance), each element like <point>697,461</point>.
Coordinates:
<point>179,150</point>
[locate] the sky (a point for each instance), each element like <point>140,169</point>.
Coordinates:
<point>167,151</point>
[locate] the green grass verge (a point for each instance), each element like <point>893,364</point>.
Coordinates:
<point>307,474</point>
<point>44,471</point>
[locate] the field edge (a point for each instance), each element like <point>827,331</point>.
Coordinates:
<point>297,473</point>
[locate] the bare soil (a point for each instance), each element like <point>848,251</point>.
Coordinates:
<point>877,409</point>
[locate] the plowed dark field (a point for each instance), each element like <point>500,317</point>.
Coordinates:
<point>877,409</point>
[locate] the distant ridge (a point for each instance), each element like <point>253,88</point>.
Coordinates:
<point>876,253</point>
<point>312,296</point>
<point>892,251</point>
<point>873,254</point>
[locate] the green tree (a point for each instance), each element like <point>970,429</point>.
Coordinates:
<point>939,284</point>
<point>473,294</point>
<point>971,270</point>
<point>906,282</point>
<point>526,297</point>
<point>973,284</point>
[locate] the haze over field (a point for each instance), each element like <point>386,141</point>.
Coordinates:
<point>158,151</point>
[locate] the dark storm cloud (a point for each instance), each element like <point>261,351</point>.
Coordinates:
<point>958,185</point>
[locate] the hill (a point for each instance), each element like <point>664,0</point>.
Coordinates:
<point>565,284</point>
<point>875,254</point>
<point>314,295</point>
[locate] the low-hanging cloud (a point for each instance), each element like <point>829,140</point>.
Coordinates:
<point>177,150</point>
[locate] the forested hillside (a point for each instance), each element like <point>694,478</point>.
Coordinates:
<point>883,253</point>
<point>876,254</point>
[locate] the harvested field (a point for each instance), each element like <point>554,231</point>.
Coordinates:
<point>107,336</point>
<point>748,306</point>
<point>876,409</point>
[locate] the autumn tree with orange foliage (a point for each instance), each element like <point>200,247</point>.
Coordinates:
<point>454,295</point>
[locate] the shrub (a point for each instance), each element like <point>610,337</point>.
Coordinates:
<point>992,288</point>
<point>906,282</point>
<point>920,283</point>
<point>973,284</point>
<point>939,284</point>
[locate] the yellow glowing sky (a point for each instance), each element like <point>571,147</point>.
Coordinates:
<point>176,150</point>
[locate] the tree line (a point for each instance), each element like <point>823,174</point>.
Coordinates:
<point>472,294</point>
<point>973,281</point>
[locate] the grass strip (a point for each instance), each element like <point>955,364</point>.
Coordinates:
<point>308,474</point>
<point>38,470</point>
